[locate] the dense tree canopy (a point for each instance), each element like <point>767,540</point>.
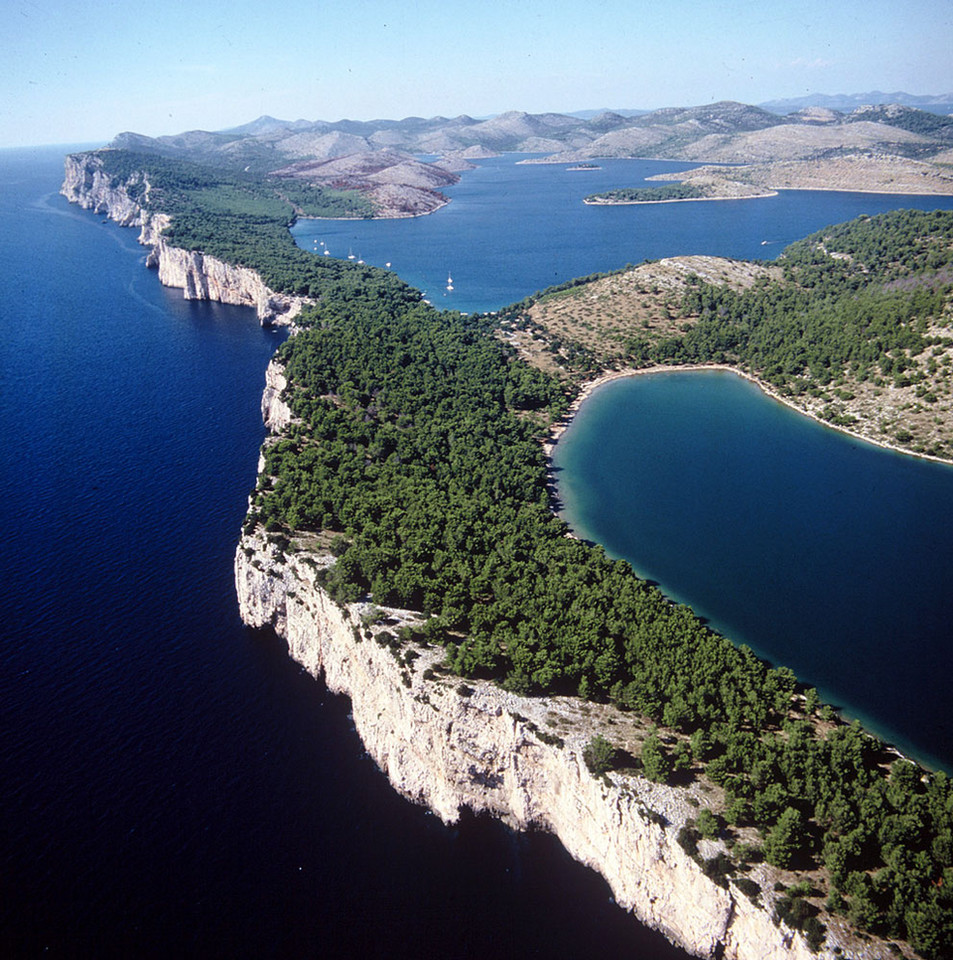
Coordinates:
<point>857,296</point>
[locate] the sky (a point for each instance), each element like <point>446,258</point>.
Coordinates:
<point>82,73</point>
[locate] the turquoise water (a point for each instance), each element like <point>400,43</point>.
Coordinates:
<point>821,552</point>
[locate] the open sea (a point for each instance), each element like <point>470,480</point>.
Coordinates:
<point>171,783</point>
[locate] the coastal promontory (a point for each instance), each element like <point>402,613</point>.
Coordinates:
<point>401,538</point>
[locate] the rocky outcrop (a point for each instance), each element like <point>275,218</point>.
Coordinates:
<point>199,276</point>
<point>274,411</point>
<point>451,744</point>
<point>86,183</point>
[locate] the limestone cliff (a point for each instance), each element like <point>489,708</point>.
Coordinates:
<point>450,745</point>
<point>274,411</point>
<point>199,276</point>
<point>87,184</point>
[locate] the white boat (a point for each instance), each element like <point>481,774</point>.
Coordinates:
<point>449,282</point>
<point>350,254</point>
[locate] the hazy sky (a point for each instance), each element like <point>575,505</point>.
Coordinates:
<point>85,72</point>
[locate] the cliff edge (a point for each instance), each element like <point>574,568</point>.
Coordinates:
<point>200,277</point>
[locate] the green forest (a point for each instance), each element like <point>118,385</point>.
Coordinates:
<point>418,448</point>
<point>674,191</point>
<point>857,297</point>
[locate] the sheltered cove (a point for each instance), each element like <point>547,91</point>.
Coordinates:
<point>588,388</point>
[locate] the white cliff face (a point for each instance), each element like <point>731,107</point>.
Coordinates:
<point>200,277</point>
<point>481,749</point>
<point>275,413</point>
<point>86,184</point>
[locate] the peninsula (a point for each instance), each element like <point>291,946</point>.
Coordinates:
<point>400,537</point>
<point>848,332</point>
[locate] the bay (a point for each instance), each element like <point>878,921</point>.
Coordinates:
<point>511,229</point>
<point>821,552</point>
<point>172,784</point>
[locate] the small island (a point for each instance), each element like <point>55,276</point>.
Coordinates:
<point>699,188</point>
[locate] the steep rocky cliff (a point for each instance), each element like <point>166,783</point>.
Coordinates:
<point>88,185</point>
<point>200,277</point>
<point>450,745</point>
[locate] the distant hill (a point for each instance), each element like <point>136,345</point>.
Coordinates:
<point>847,102</point>
<point>384,154</point>
<point>589,114</point>
<point>726,131</point>
<point>730,132</point>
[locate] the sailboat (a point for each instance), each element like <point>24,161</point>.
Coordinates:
<point>449,282</point>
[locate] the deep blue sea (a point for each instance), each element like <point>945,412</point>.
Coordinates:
<point>171,784</point>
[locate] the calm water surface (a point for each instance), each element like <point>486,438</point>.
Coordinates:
<point>511,229</point>
<point>821,552</point>
<point>171,784</point>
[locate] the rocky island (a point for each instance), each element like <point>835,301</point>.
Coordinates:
<point>398,550</point>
